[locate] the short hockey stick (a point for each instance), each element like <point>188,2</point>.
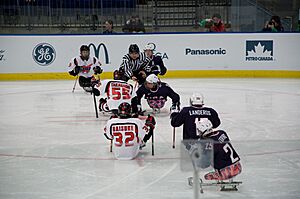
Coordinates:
<point>75,84</point>
<point>95,103</point>
<point>173,138</point>
<point>152,131</point>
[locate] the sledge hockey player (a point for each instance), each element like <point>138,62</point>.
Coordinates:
<point>132,63</point>
<point>155,66</point>
<point>86,67</point>
<point>226,161</point>
<point>156,93</point>
<point>127,132</point>
<point>188,116</point>
<point>113,93</point>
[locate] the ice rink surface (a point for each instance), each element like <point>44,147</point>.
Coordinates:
<point>52,146</point>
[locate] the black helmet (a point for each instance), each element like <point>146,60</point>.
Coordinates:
<point>124,110</point>
<point>84,48</point>
<point>133,48</point>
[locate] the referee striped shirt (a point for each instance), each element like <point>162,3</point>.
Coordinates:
<point>129,65</point>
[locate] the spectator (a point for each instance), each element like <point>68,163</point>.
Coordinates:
<point>133,25</point>
<point>274,25</point>
<point>109,27</point>
<point>214,24</point>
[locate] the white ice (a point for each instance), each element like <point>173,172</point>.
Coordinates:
<point>52,146</point>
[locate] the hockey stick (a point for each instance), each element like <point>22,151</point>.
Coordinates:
<point>111,143</point>
<point>173,138</point>
<point>95,103</point>
<point>152,131</point>
<point>75,84</point>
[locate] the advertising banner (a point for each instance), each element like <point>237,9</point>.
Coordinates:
<point>203,51</point>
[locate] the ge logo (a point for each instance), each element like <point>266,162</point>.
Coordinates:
<point>43,54</point>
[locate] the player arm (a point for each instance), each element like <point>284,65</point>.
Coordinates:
<point>97,69</point>
<point>174,96</point>
<point>215,119</point>
<point>177,119</point>
<point>126,66</point>
<point>107,133</point>
<point>161,65</point>
<point>136,101</point>
<point>73,67</point>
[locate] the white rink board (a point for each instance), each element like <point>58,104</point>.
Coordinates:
<point>283,48</point>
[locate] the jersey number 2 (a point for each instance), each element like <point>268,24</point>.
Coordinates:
<point>227,149</point>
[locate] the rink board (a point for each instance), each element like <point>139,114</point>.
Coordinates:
<point>170,74</point>
<point>186,55</point>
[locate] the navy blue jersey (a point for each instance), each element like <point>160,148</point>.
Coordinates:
<point>155,66</point>
<point>158,95</point>
<point>224,153</point>
<point>188,117</point>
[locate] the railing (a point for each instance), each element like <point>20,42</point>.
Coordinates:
<point>89,15</point>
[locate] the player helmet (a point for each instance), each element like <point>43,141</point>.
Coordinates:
<point>152,78</point>
<point>84,48</point>
<point>204,127</point>
<point>197,99</point>
<point>124,110</point>
<point>149,47</point>
<point>133,48</point>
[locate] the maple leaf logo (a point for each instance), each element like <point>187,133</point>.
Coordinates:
<point>259,51</point>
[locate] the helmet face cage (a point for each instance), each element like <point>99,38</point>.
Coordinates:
<point>152,79</point>
<point>149,47</point>
<point>197,100</point>
<point>124,110</point>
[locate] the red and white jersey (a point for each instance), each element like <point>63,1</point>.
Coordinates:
<point>116,92</point>
<point>127,135</point>
<point>86,66</point>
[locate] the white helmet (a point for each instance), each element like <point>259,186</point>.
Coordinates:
<point>197,99</point>
<point>204,127</point>
<point>152,78</point>
<point>149,47</point>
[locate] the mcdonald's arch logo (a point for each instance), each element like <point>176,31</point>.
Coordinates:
<point>97,51</point>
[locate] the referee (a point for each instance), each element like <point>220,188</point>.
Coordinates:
<point>132,63</point>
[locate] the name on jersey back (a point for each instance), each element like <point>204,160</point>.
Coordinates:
<point>199,112</point>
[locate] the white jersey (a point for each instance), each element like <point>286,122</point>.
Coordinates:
<point>86,66</point>
<point>116,92</point>
<point>127,135</point>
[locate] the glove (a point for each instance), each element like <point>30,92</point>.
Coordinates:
<point>150,121</point>
<point>175,108</point>
<point>97,70</point>
<point>139,109</point>
<point>77,70</point>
